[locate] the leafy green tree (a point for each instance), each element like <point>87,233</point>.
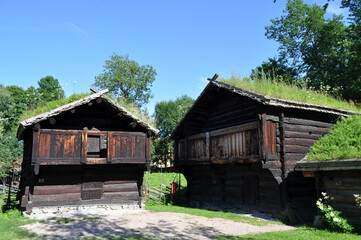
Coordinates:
<point>50,89</point>
<point>316,47</point>
<point>275,68</point>
<point>10,151</point>
<point>125,78</point>
<point>167,115</point>
<point>21,100</point>
<point>354,44</point>
<point>7,109</point>
<point>10,147</point>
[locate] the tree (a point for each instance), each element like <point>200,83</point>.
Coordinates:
<point>354,44</point>
<point>7,109</point>
<point>167,115</point>
<point>10,147</point>
<point>126,79</point>
<point>275,68</point>
<point>316,47</point>
<point>50,89</point>
<point>20,100</point>
<point>10,151</point>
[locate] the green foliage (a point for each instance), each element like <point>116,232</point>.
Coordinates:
<point>162,150</point>
<point>7,109</point>
<point>342,142</point>
<point>274,87</point>
<point>153,180</point>
<point>357,200</point>
<point>156,178</point>
<point>331,218</point>
<point>45,107</point>
<point>10,151</point>
<point>301,233</point>
<point>126,79</point>
<point>134,109</point>
<point>321,49</point>
<point>50,89</point>
<point>167,115</point>
<point>275,68</point>
<point>10,222</point>
<point>211,214</point>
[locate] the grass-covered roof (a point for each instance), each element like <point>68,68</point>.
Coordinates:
<point>45,110</point>
<point>342,142</point>
<point>276,89</point>
<point>47,106</point>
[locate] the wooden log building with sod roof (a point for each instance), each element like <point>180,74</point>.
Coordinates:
<point>239,149</point>
<point>89,152</point>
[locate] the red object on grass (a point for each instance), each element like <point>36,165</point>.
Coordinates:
<point>174,187</point>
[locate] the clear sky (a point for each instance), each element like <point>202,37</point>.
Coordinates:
<point>185,41</point>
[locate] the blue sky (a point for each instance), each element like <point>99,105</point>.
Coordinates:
<point>185,41</point>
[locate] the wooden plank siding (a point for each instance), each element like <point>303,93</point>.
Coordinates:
<point>77,185</point>
<point>64,147</point>
<point>237,144</point>
<point>233,186</point>
<point>341,186</point>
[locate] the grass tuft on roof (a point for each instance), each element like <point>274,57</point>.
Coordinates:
<point>135,110</point>
<point>342,142</point>
<point>277,89</point>
<point>44,107</point>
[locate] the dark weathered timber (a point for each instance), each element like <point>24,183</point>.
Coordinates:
<point>56,189</point>
<point>225,164</point>
<point>84,153</point>
<point>339,181</point>
<point>306,129</point>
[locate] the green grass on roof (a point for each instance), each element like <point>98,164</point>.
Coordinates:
<point>276,89</point>
<point>135,110</point>
<point>46,107</point>
<point>342,142</point>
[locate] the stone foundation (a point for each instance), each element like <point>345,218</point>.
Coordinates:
<point>81,211</point>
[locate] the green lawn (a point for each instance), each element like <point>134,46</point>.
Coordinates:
<point>301,233</point>
<point>155,179</point>
<point>212,214</point>
<point>10,223</point>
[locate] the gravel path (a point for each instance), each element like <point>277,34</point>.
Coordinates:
<point>158,225</point>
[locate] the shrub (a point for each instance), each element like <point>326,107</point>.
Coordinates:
<point>331,218</point>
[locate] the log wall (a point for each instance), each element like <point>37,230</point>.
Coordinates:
<point>341,186</point>
<point>299,135</point>
<point>81,185</point>
<point>233,186</point>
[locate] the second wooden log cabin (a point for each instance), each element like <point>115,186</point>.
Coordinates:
<point>89,152</point>
<point>239,149</point>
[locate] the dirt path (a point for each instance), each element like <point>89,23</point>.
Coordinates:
<point>158,225</point>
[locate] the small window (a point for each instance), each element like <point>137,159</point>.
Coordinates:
<point>97,146</point>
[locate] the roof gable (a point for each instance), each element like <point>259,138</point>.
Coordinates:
<point>263,100</point>
<point>25,124</point>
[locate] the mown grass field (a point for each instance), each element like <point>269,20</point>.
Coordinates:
<point>10,222</point>
<point>156,178</point>
<point>301,233</point>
